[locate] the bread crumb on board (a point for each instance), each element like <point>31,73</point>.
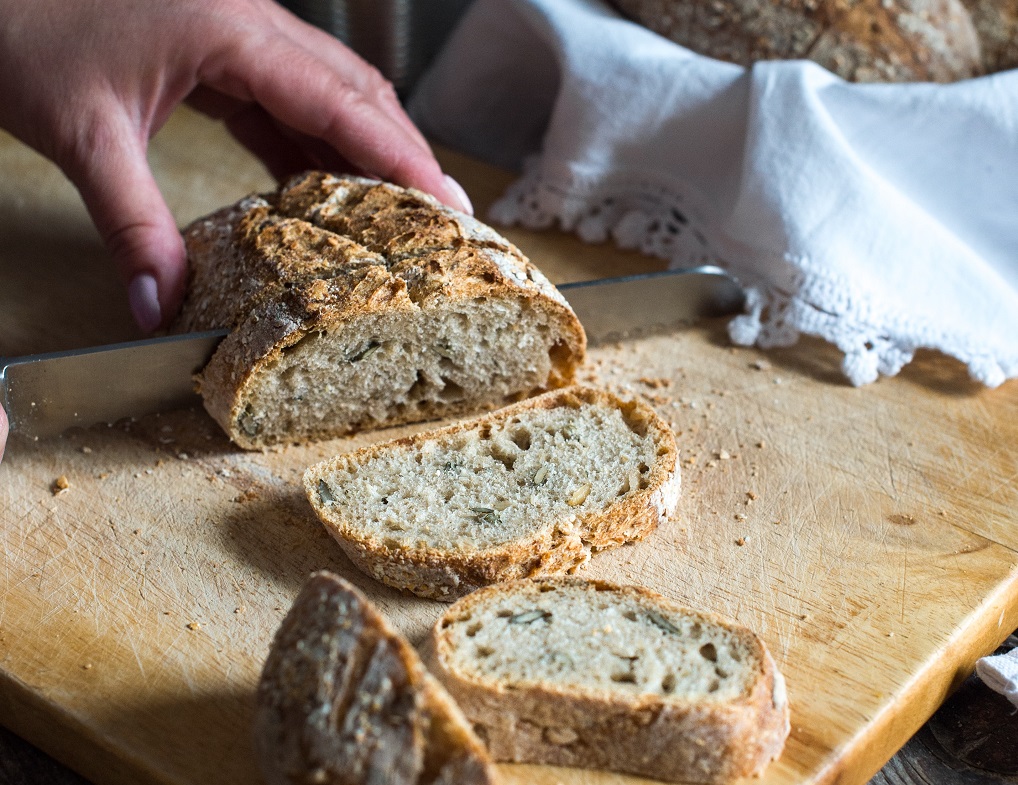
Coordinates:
<point>658,400</point>
<point>60,484</point>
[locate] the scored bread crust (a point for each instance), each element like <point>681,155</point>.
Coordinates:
<point>996,23</point>
<point>558,546</point>
<point>859,40</point>
<point>344,699</point>
<point>324,251</point>
<point>662,737</point>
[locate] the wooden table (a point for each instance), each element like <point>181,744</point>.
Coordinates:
<point>925,543</point>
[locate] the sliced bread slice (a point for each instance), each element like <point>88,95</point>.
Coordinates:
<point>355,304</point>
<point>529,490</point>
<point>344,700</point>
<point>570,672</point>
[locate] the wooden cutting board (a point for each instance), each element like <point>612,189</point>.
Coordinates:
<point>869,535</point>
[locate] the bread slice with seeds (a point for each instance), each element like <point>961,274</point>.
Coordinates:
<point>569,672</point>
<point>356,304</point>
<point>344,700</point>
<point>529,490</point>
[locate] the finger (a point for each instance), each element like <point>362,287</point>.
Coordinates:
<point>3,431</point>
<point>283,151</point>
<point>317,101</point>
<point>344,60</point>
<point>256,130</point>
<point>367,137</point>
<point>113,176</point>
<point>213,103</point>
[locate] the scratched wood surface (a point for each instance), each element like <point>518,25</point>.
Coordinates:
<point>868,535</point>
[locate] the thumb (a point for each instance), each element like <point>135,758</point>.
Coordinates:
<point>126,206</point>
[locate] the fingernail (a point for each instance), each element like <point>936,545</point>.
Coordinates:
<point>457,190</point>
<point>143,295</point>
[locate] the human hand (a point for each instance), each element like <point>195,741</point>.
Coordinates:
<point>88,83</point>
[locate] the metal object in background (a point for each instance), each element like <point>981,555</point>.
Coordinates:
<point>398,37</point>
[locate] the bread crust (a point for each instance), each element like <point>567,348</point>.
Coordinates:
<point>325,251</point>
<point>996,23</point>
<point>860,40</point>
<point>560,546</point>
<point>662,737</point>
<point>344,700</point>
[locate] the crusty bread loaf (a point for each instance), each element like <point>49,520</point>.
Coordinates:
<point>860,40</point>
<point>344,700</point>
<point>529,490</point>
<point>583,673</point>
<point>356,304</point>
<point>996,23</point>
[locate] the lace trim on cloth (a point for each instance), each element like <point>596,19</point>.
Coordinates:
<point>794,298</point>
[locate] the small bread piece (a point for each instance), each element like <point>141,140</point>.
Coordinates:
<point>860,40</point>
<point>570,672</point>
<point>529,490</point>
<point>357,304</point>
<point>344,700</point>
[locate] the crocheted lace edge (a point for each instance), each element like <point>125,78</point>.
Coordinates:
<point>798,298</point>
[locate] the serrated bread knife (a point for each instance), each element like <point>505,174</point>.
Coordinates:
<point>44,394</point>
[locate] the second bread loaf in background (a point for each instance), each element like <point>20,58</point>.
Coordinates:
<point>860,40</point>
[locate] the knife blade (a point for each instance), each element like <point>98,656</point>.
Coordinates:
<point>45,394</point>
<point>628,306</point>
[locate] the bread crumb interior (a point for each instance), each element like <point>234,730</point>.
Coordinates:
<point>495,483</point>
<point>581,638</point>
<point>405,367</point>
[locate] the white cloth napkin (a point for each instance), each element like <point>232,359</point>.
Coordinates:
<point>883,218</point>
<point>1000,673</point>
